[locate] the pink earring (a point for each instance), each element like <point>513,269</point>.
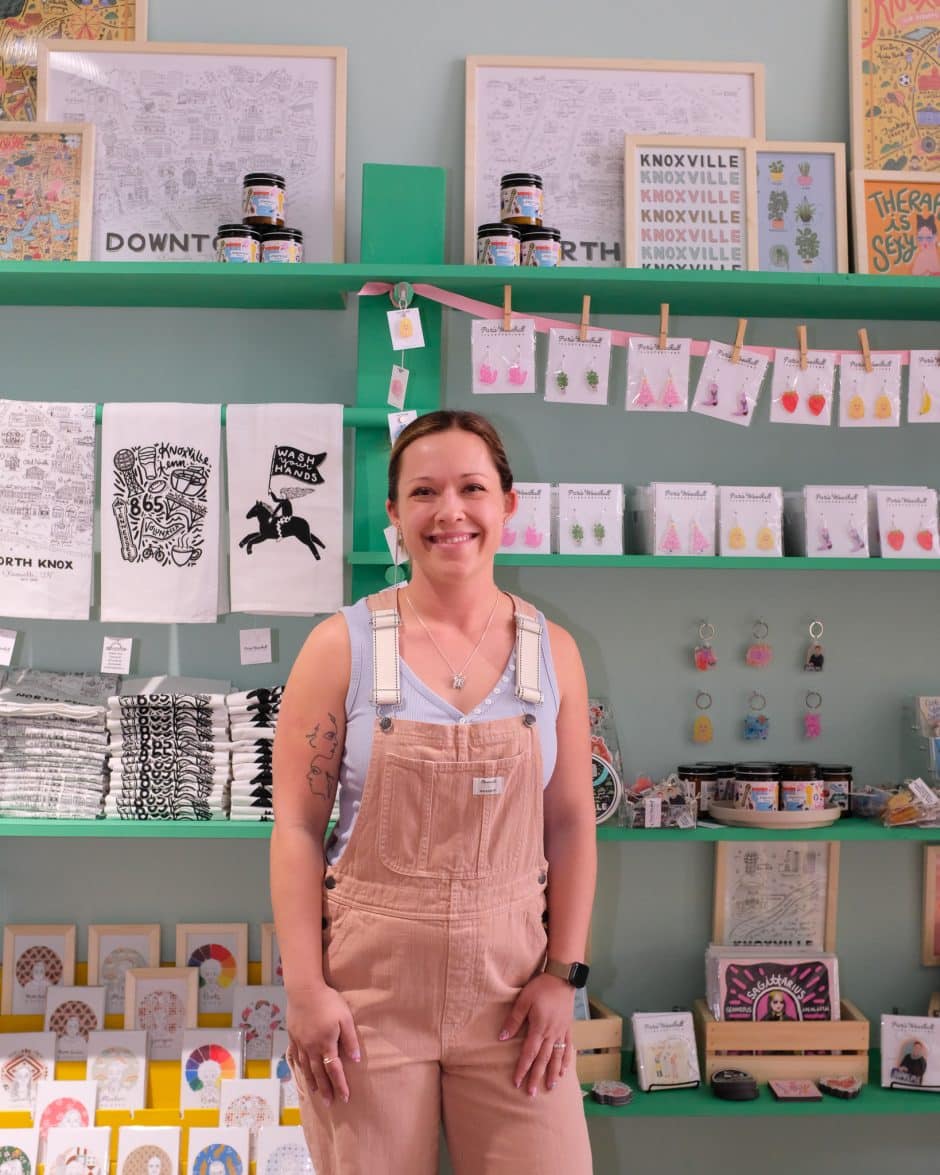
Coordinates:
<point>698,540</point>
<point>670,393</point>
<point>670,542</point>
<point>645,397</point>
<point>517,376</point>
<point>487,373</point>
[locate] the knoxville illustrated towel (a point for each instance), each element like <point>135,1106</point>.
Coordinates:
<point>160,510</point>
<point>285,502</point>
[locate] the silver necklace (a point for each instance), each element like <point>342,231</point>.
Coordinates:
<point>458,676</point>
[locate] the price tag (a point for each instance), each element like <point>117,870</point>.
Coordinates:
<point>398,386</point>
<point>255,646</point>
<point>397,421</point>
<point>7,641</point>
<point>116,654</point>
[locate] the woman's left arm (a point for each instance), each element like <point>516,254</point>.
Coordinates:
<point>545,1004</point>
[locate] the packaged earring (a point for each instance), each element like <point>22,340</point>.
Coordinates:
<point>926,401</point>
<point>812,719</point>
<point>592,379</point>
<point>487,373</point>
<point>756,722</point>
<point>825,539</point>
<point>790,400</point>
<point>766,539</point>
<point>759,653</point>
<point>516,374</point>
<point>884,409</point>
<point>737,539</point>
<point>711,395</point>
<point>561,377</point>
<point>856,405</point>
<point>671,397</point>
<point>895,536</point>
<point>702,729</point>
<point>704,655</point>
<point>856,540</point>
<point>599,532</point>
<point>698,540</point>
<point>577,531</point>
<point>670,544</point>
<point>644,397</point>
<point>743,404</point>
<point>815,656</point>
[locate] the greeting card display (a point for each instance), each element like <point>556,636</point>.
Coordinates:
<point>259,1011</point>
<point>251,1103</point>
<point>71,1013</point>
<point>870,399</point>
<point>218,1150</point>
<point>63,1103</point>
<point>907,523</point>
<point>117,1063</point>
<point>20,1148</point>
<point>658,377</point>
<point>282,1151</point>
<point>529,530</point>
<point>578,370</point>
<point>210,1056</point>
<point>750,520</point>
<point>836,522</point>
<point>763,985</point>
<point>282,1070</point>
<point>78,1150</point>
<point>148,1150</point>
<point>910,1052</point>
<point>923,388</point>
<point>683,518</point>
<point>802,396</point>
<point>590,519</point>
<point>665,1049</point>
<point>26,1058</point>
<point>728,390</point>
<point>503,360</point>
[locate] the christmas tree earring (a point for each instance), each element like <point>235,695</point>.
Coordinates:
<point>669,544</point>
<point>645,397</point>
<point>592,379</point>
<point>671,397</point>
<point>698,539</point>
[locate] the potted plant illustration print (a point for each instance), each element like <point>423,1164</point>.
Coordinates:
<point>804,179</point>
<point>776,171</point>
<point>780,257</point>
<point>777,205</point>
<point>807,245</point>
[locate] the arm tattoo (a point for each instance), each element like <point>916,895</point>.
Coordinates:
<point>322,775</point>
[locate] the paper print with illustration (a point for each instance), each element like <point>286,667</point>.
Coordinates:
<point>160,512</point>
<point>148,1150</point>
<point>117,1062</point>
<point>282,1151</point>
<point>47,462</point>
<point>209,1057</point>
<point>897,218</point>
<point>71,1013</point>
<point>46,172</point>
<point>39,962</point>
<point>217,1150</point>
<point>26,1058</point>
<point>20,1149</point>
<point>260,1011</point>
<point>285,492</point>
<point>280,1068</point>
<point>801,209</point>
<point>665,1049</point>
<point>113,951</point>
<point>78,1150</point>
<point>64,1103</point>
<point>910,1052</point>
<point>765,988</point>
<point>503,361</point>
<point>251,1103</point>
<point>658,379</point>
<point>220,953</point>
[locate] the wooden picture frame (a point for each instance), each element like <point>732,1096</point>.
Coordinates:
<point>546,103</point>
<point>890,235</point>
<point>776,893</point>
<point>113,950</point>
<point>930,938</point>
<point>38,20</point>
<point>30,948</point>
<point>270,956</point>
<point>894,86</point>
<point>219,952</point>
<point>50,168</point>
<point>167,1022</point>
<point>810,183</point>
<point>144,212</point>
<point>689,202</point>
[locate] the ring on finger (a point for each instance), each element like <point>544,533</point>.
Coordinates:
<point>329,1060</point>
<point>559,1044</point>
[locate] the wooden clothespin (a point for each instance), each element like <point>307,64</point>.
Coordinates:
<point>801,342</point>
<point>663,325</point>
<point>866,350</point>
<point>585,317</point>
<point>739,340</point>
<point>507,308</point>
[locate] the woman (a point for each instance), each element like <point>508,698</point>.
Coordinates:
<point>926,261</point>
<point>441,710</point>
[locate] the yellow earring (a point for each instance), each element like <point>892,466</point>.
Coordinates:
<point>737,540</point>
<point>856,408</point>
<point>926,401</point>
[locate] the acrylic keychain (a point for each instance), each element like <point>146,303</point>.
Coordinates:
<point>759,653</point>
<point>815,655</point>
<point>704,655</point>
<point>812,719</point>
<point>756,722</point>
<point>702,729</point>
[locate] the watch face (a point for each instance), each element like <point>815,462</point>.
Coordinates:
<point>579,974</point>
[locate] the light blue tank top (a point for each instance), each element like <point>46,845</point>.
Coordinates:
<point>421,704</point>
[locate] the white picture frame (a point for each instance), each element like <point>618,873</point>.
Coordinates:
<point>35,958</point>
<point>296,128</point>
<point>163,1001</point>
<point>219,951</point>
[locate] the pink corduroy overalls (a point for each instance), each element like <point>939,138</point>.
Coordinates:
<point>432,924</point>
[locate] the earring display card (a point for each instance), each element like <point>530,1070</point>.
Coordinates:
<point>665,1049</point>
<point>870,399</point>
<point>658,378</point>
<point>907,524</point>
<point>923,388</point>
<point>910,1052</point>
<point>802,396</point>
<point>71,1013</point>
<point>683,518</point>
<point>529,530</point>
<point>750,520</point>
<point>836,521</point>
<point>503,360</point>
<point>404,327</point>
<point>590,519</point>
<point>577,372</point>
<point>729,391</point>
<point>117,1063</point>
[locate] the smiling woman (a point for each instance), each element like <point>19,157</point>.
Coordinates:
<point>451,718</point>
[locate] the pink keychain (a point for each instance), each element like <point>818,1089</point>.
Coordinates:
<point>812,719</point>
<point>759,653</point>
<point>704,655</point>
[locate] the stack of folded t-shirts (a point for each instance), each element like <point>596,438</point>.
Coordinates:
<point>54,743</point>
<point>169,756</point>
<point>253,718</point>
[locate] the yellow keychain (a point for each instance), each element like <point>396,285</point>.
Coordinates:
<point>702,730</point>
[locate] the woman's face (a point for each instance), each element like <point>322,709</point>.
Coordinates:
<point>776,1004</point>
<point>450,507</point>
<point>926,237</point>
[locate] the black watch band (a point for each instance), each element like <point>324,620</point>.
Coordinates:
<point>574,973</point>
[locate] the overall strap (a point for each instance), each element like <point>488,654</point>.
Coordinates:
<point>528,652</point>
<point>386,675</point>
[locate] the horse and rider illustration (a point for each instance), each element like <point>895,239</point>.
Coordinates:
<point>280,523</point>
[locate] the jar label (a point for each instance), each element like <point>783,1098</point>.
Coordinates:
<point>546,254</point>
<point>756,795</point>
<point>236,249</point>
<point>288,252</point>
<point>498,251</point>
<point>264,201</point>
<point>525,202</point>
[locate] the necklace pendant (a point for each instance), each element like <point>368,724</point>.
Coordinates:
<point>458,681</point>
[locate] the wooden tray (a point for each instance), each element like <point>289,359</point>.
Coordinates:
<point>725,813</point>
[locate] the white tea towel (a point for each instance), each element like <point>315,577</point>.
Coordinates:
<point>285,504</point>
<point>160,511</point>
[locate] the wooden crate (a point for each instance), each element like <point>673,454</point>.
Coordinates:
<point>786,1050</point>
<point>604,1031</point>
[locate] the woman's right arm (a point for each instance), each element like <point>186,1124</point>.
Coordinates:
<point>308,749</point>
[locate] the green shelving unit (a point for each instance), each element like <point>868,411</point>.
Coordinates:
<point>693,563</point>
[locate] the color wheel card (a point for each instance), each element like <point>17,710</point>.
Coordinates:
<point>210,1056</point>
<point>220,953</point>
<point>282,1151</point>
<point>218,1150</point>
<point>260,1010</point>
<point>117,1063</point>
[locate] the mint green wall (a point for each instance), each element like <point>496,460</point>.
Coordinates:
<point>635,628</point>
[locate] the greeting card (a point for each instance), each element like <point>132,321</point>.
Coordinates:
<point>71,1013</point>
<point>282,1151</point>
<point>77,1150</point>
<point>19,1148</point>
<point>251,1103</point>
<point>665,1049</point>
<point>117,1063</point>
<point>26,1058</point>
<point>260,1011</point>
<point>148,1150</point>
<point>282,1070</point>
<point>218,1150</point>
<point>210,1056</point>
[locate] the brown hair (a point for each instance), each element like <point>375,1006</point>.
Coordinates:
<point>443,421</point>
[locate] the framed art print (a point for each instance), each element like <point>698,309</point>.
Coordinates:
<point>271,970</point>
<point>801,208</point>
<point>219,951</point>
<point>897,222</point>
<point>162,1000</point>
<point>259,1011</point>
<point>49,169</point>
<point>689,203</point>
<point>35,958</point>
<point>769,893</point>
<point>24,23</point>
<point>113,950</point>
<point>546,104</point>
<point>930,952</point>
<point>296,128</point>
<point>71,1013</point>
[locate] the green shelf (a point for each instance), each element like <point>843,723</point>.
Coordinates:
<point>852,829</point>
<point>326,286</point>
<point>139,829</point>
<point>692,563</point>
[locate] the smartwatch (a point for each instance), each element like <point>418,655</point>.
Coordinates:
<point>574,973</point>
